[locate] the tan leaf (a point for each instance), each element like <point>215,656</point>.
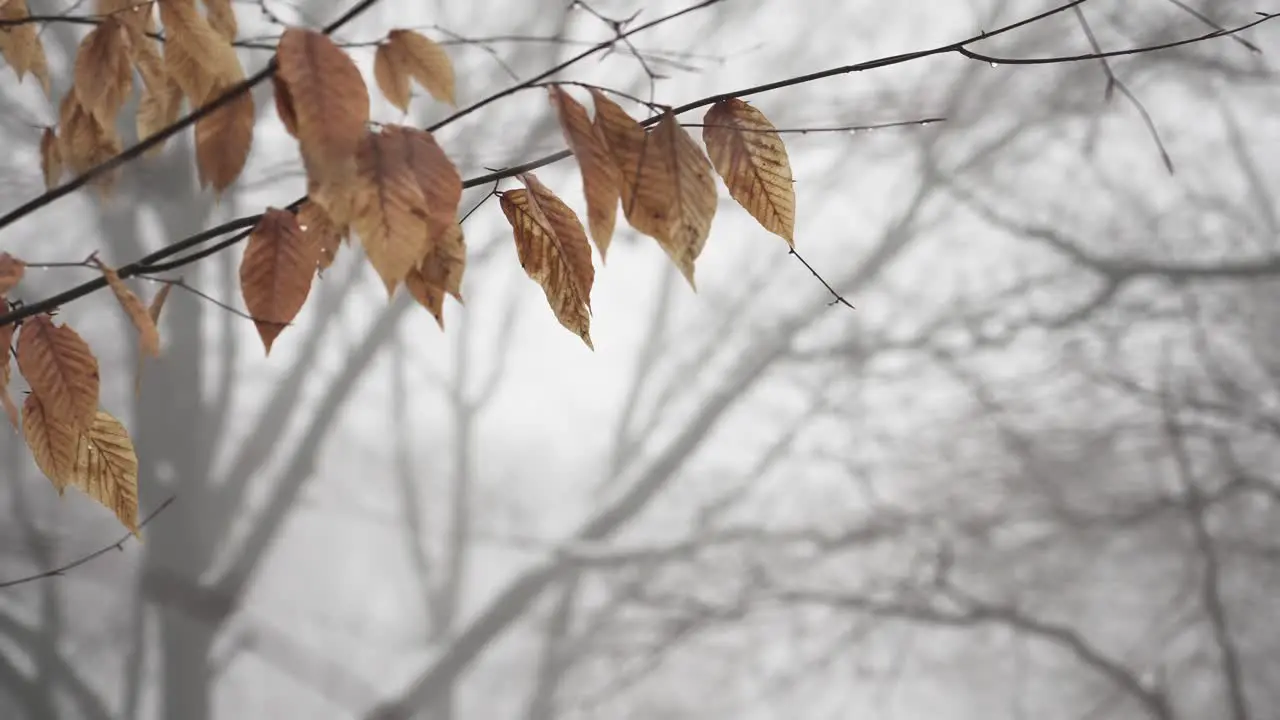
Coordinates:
<point>223,140</point>
<point>148,336</point>
<point>601,180</point>
<point>284,105</point>
<point>275,274</point>
<point>158,109</point>
<point>327,99</point>
<point>392,75</point>
<point>315,222</point>
<point>553,250</point>
<point>437,177</point>
<point>53,443</point>
<point>749,155</point>
<point>103,73</point>
<point>20,44</point>
<point>222,18</point>
<point>695,187</point>
<point>50,158</point>
<point>426,61</point>
<point>390,213</point>
<point>153,312</point>
<point>11,271</point>
<point>440,272</point>
<point>195,55</point>
<point>61,369</point>
<point>84,142</point>
<point>106,468</point>
<point>648,191</point>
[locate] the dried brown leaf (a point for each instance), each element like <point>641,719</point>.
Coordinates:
<point>50,158</point>
<point>195,55</point>
<point>439,273</point>
<point>437,177</point>
<point>106,468</point>
<point>222,18</point>
<point>148,336</point>
<point>648,190</point>
<point>553,250</point>
<point>61,369</point>
<point>224,139</point>
<point>53,443</point>
<point>327,102</point>
<point>601,179</point>
<point>427,62</point>
<point>695,188</point>
<point>390,213</point>
<point>315,222</point>
<point>11,271</point>
<point>750,157</point>
<point>392,75</point>
<point>103,72</point>
<point>157,303</point>
<point>6,372</point>
<point>275,274</point>
<point>20,44</point>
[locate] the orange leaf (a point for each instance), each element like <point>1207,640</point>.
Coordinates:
<point>601,180</point>
<point>390,214</point>
<point>50,158</point>
<point>426,61</point>
<point>392,75</point>
<point>440,272</point>
<point>275,274</point>
<point>327,102</point>
<point>148,336</point>
<point>648,190</point>
<point>53,443</point>
<point>11,271</point>
<point>61,369</point>
<point>749,155</point>
<point>553,250</point>
<point>103,76</point>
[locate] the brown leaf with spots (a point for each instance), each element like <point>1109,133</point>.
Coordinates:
<point>601,179</point>
<point>749,155</point>
<point>392,75</point>
<point>50,158</point>
<point>106,468</point>
<point>53,443</point>
<point>648,190</point>
<point>148,335</point>
<point>426,61</point>
<point>553,250</point>
<point>439,273</point>
<point>103,73</point>
<point>61,370</point>
<point>325,103</point>
<point>315,222</point>
<point>11,272</point>
<point>695,188</point>
<point>276,271</point>
<point>390,213</point>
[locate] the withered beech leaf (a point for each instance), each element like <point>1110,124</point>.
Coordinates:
<point>106,468</point>
<point>437,177</point>
<point>748,153</point>
<point>391,72</point>
<point>148,335</point>
<point>601,180</point>
<point>439,273</point>
<point>50,158</point>
<point>315,222</point>
<point>276,272</point>
<point>390,213</point>
<point>222,18</point>
<point>103,73</point>
<point>52,442</point>
<point>61,370</point>
<point>20,44</point>
<point>649,199</point>
<point>224,139</point>
<point>426,61</point>
<point>6,372</point>
<point>11,271</point>
<point>195,55</point>
<point>327,102</point>
<point>553,250</point>
<point>695,186</point>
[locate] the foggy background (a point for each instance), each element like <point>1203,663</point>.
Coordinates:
<point>1032,475</point>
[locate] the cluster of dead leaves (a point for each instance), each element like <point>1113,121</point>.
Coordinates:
<point>74,441</point>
